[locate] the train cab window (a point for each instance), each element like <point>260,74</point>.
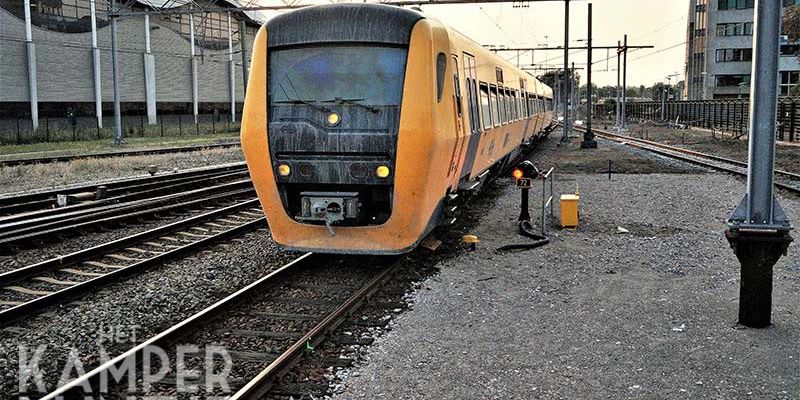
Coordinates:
<point>495,105</point>
<point>486,108</point>
<point>441,66</point>
<point>371,74</point>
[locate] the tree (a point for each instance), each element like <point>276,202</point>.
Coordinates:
<point>791,22</point>
<point>549,78</point>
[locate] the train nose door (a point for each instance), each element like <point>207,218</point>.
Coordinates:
<point>470,75</point>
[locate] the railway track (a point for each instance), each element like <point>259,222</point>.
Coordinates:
<point>10,162</point>
<point>89,193</point>
<point>263,329</point>
<point>27,290</point>
<point>785,180</point>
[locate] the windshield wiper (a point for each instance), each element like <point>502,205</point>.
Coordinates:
<point>354,102</point>
<point>309,103</point>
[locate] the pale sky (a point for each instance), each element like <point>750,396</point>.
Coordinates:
<point>661,23</point>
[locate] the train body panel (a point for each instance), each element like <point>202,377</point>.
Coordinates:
<point>315,138</point>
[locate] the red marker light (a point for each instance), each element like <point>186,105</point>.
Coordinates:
<point>517,174</point>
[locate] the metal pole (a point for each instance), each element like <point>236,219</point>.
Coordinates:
<point>149,76</point>
<point>524,215</point>
<point>588,136</point>
<point>31,52</point>
<point>232,68</point>
<point>567,124</point>
<point>624,82</point>
<point>243,44</point>
<point>194,69</point>
<point>619,67</point>
<point>98,92</point>
<point>115,76</point>
<point>758,228</point>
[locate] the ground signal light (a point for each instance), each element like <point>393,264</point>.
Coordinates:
<point>525,169</point>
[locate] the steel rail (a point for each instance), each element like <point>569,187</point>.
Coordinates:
<point>16,224</point>
<point>129,183</point>
<point>112,216</point>
<point>200,320</point>
<point>37,304</point>
<point>263,382</point>
<point>164,188</point>
<point>693,157</point>
<point>714,157</point>
<point>11,162</point>
<point>75,387</point>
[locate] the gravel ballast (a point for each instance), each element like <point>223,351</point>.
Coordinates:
<point>595,314</point>
<point>143,305</point>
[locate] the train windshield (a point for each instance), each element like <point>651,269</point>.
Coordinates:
<point>312,75</point>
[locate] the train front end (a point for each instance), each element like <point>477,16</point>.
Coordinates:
<point>334,128</point>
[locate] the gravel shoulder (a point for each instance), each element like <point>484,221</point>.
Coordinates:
<point>595,314</point>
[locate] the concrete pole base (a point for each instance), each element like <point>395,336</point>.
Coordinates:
<point>589,144</point>
<point>757,253</point>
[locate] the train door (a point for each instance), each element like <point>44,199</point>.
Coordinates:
<point>458,108</point>
<point>470,74</point>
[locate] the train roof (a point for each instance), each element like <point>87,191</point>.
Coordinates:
<point>379,23</point>
<point>322,23</point>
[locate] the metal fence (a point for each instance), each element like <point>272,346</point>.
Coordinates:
<point>20,131</point>
<point>730,116</point>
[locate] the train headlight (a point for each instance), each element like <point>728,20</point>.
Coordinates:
<point>382,172</point>
<point>333,119</point>
<point>284,170</point>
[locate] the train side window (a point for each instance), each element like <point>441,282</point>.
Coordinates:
<point>531,106</point>
<point>509,112</point>
<point>527,104</point>
<point>486,108</point>
<point>501,105</point>
<point>513,105</point>
<point>472,93</point>
<point>441,66</point>
<point>495,106</point>
<point>517,114</point>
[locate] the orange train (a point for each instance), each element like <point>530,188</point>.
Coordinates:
<point>362,121</point>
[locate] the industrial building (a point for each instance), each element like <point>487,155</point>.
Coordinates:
<point>55,57</point>
<point>719,51</point>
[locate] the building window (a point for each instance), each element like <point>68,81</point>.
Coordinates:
<point>735,29</point>
<point>790,49</point>
<point>789,79</point>
<point>71,16</point>
<point>732,80</point>
<point>735,4</point>
<point>734,55</point>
